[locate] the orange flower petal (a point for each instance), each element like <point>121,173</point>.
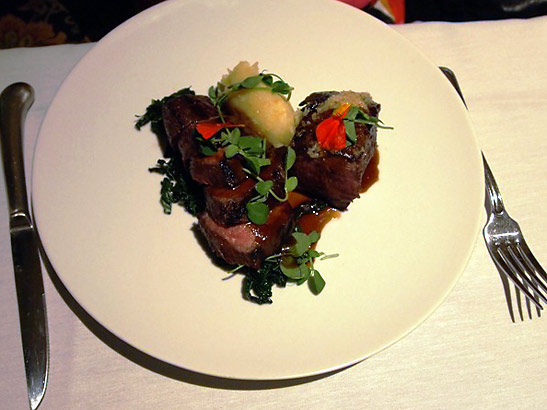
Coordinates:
<point>208,129</point>
<point>331,133</point>
<point>342,110</point>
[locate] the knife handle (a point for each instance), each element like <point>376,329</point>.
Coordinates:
<point>15,101</point>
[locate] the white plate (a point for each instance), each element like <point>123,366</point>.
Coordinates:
<point>143,275</point>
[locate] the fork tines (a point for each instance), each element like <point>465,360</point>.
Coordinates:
<point>518,263</point>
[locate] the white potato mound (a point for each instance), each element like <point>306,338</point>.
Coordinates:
<point>268,114</point>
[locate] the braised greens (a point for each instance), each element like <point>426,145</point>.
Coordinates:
<point>177,187</point>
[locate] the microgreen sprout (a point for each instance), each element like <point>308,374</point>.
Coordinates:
<point>263,81</point>
<point>257,209</point>
<point>297,262</point>
<point>357,115</point>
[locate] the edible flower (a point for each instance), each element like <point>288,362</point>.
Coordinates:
<point>331,132</point>
<point>208,129</point>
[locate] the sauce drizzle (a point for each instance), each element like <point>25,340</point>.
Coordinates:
<point>316,221</point>
<point>372,173</point>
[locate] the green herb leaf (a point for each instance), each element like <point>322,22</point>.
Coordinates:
<point>352,113</point>
<point>251,82</point>
<point>263,187</point>
<point>282,267</point>
<point>254,164</point>
<point>302,244</point>
<point>317,282</point>
<point>207,150</point>
<point>314,254</point>
<point>257,212</point>
<point>357,115</point>
<point>232,136</point>
<point>290,158</point>
<point>293,270</point>
<point>252,145</point>
<point>313,236</point>
<point>281,87</point>
<point>267,79</point>
<point>212,93</point>
<point>231,151</point>
<point>351,134</point>
<point>291,183</point>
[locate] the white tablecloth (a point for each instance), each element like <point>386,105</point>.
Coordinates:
<point>468,354</point>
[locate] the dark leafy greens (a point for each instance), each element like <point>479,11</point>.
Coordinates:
<point>153,115</point>
<point>177,187</point>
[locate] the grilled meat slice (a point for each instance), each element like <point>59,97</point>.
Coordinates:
<point>217,170</point>
<point>227,205</point>
<point>334,177</point>
<point>248,244</point>
<point>180,117</point>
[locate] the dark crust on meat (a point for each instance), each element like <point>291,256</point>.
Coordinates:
<point>334,177</point>
<point>180,116</point>
<point>217,170</point>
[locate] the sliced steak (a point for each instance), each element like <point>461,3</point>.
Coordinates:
<point>248,244</point>
<point>180,117</point>
<point>217,170</point>
<point>227,205</point>
<point>334,177</point>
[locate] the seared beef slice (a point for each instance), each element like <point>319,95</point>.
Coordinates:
<point>334,177</point>
<point>248,244</point>
<point>227,188</point>
<point>227,206</point>
<point>180,116</point>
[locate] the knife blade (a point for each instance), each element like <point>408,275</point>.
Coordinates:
<point>15,101</point>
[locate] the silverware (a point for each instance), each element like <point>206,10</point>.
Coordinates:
<point>15,101</point>
<point>504,238</point>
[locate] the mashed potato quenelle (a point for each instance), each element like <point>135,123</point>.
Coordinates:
<point>267,113</point>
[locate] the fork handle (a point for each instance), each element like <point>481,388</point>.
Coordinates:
<point>492,187</point>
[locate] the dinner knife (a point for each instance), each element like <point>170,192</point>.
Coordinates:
<point>15,101</point>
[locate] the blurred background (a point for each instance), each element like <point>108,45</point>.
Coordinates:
<point>33,23</point>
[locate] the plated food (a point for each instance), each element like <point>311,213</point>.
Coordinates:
<point>250,168</point>
<point>146,278</point>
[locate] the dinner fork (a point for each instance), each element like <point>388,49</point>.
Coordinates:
<point>504,238</point>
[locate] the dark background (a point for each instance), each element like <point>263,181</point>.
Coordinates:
<point>75,21</point>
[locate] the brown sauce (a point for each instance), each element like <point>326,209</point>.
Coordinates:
<point>318,220</point>
<point>372,173</point>
<point>315,221</point>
